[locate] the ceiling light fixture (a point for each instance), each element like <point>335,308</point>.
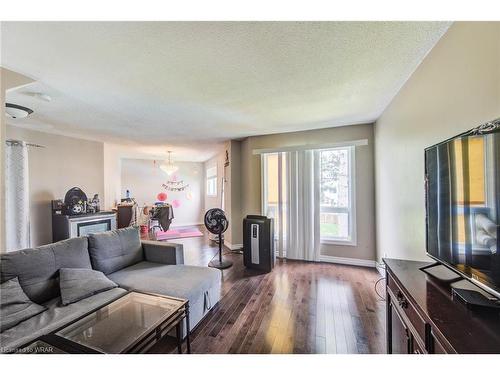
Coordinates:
<point>17,111</point>
<point>168,167</point>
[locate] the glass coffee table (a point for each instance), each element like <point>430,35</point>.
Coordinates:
<point>131,324</point>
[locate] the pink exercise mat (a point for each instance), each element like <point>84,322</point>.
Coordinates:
<point>185,232</point>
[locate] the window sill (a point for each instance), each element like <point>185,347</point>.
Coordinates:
<point>325,241</point>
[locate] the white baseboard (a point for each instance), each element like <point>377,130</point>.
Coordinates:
<point>184,225</point>
<point>349,261</point>
<point>231,246</point>
<point>380,268</point>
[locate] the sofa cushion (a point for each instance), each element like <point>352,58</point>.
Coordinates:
<point>190,282</point>
<point>79,283</point>
<point>37,268</point>
<point>163,252</point>
<point>53,319</point>
<point>111,251</point>
<point>15,306</point>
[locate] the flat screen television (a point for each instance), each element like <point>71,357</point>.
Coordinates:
<point>462,180</point>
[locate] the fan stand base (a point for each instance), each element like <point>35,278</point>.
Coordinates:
<point>220,264</point>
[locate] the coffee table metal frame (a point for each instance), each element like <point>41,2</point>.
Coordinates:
<point>142,343</point>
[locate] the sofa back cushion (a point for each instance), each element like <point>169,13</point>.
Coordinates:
<point>15,306</point>
<point>37,268</point>
<point>111,251</point>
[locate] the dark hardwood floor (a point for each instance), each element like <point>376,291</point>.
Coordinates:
<point>300,307</point>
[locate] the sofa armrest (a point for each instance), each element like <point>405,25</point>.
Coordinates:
<point>163,252</point>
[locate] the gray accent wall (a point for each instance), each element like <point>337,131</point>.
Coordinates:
<point>365,188</point>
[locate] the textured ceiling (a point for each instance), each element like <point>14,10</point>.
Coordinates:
<point>194,84</point>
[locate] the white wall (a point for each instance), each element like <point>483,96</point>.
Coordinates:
<point>112,175</point>
<point>144,180</point>
<point>63,163</point>
<point>456,87</point>
<point>9,80</point>
<point>217,162</point>
<point>232,193</point>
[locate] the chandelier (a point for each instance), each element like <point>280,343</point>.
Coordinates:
<point>169,167</point>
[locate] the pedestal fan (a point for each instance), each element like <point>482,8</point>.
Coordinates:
<point>216,223</point>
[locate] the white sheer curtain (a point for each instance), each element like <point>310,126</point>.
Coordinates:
<point>302,232</point>
<point>17,219</point>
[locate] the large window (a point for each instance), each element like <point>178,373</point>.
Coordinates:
<point>311,196</point>
<point>212,182</point>
<point>337,216</point>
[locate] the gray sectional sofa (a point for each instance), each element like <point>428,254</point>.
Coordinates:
<point>148,266</point>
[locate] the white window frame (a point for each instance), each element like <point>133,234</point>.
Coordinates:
<point>211,178</point>
<point>352,241</point>
<point>278,233</point>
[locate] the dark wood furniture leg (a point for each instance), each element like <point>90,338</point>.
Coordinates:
<point>179,337</point>
<point>188,341</point>
<point>388,319</point>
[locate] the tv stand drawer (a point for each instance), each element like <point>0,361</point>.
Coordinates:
<point>407,310</point>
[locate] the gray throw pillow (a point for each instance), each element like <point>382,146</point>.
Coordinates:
<point>15,306</point>
<point>79,283</point>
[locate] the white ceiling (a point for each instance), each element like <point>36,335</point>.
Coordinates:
<point>192,85</point>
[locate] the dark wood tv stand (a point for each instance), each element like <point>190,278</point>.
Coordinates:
<point>423,318</point>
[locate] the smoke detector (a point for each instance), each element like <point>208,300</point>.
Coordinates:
<point>17,111</point>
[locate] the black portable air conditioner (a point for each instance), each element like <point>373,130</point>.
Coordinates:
<point>258,243</point>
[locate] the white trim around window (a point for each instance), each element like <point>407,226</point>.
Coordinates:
<point>211,182</point>
<point>351,210</point>
<point>263,183</point>
<point>323,146</point>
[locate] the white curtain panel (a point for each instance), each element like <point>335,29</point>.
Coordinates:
<point>302,239</point>
<point>17,206</point>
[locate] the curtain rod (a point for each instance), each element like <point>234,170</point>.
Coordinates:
<point>15,142</point>
<point>357,142</point>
